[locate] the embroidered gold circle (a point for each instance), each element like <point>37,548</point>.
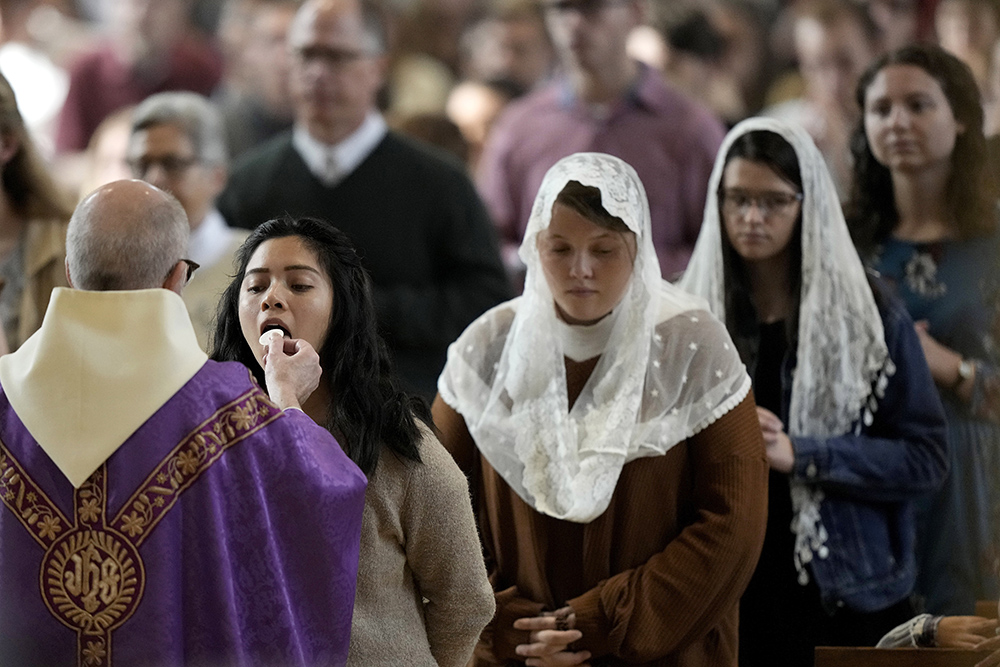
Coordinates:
<point>92,580</point>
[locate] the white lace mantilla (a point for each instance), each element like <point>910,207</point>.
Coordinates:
<point>668,370</point>
<point>843,364</point>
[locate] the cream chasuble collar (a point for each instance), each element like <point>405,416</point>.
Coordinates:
<point>84,382</point>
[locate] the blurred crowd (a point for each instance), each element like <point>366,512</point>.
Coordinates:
<point>424,130</point>
<point>453,65</point>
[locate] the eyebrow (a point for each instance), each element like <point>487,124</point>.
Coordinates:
<point>907,95</point>
<point>290,267</point>
<point>599,236</point>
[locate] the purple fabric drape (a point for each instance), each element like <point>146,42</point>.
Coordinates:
<point>222,532</point>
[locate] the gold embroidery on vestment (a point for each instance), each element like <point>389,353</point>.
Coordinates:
<point>188,460</point>
<point>29,504</point>
<point>92,576</point>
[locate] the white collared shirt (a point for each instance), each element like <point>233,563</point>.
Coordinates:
<point>211,240</point>
<point>346,156</point>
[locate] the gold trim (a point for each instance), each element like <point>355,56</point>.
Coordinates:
<point>188,460</point>
<point>92,577</point>
<point>32,507</point>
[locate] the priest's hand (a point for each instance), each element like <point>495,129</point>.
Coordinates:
<point>780,453</point>
<point>551,635</point>
<point>291,371</point>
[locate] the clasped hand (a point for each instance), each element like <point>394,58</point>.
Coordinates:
<point>551,633</point>
<point>780,453</point>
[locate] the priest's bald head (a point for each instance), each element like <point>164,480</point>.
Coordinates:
<point>127,235</point>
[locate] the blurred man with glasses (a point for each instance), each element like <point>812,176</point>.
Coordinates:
<point>178,144</point>
<point>606,102</point>
<point>414,216</point>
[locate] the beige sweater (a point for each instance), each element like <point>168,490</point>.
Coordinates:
<point>44,270</point>
<point>423,595</point>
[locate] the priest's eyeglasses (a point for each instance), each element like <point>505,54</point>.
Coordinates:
<point>770,204</point>
<point>192,266</point>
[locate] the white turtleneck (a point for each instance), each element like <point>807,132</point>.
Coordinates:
<point>585,341</point>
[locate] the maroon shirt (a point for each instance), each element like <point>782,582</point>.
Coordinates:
<point>101,84</point>
<point>668,138</point>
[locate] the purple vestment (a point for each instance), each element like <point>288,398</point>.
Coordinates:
<point>222,532</point>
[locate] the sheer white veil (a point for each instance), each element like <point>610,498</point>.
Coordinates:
<point>842,360</point>
<point>668,369</point>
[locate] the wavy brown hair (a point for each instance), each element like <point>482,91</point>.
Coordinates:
<point>971,191</point>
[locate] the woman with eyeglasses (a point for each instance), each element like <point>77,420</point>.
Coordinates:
<point>924,214</point>
<point>853,426</point>
<point>33,219</point>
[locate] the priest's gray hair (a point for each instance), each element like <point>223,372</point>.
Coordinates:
<point>126,235</point>
<point>194,115</point>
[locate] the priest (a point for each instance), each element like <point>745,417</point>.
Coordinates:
<point>157,507</point>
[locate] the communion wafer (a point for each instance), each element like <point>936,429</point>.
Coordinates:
<point>265,338</point>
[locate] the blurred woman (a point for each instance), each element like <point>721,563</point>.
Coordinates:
<point>853,427</point>
<point>423,597</point>
<point>33,218</point>
<point>607,423</point>
<point>924,214</point>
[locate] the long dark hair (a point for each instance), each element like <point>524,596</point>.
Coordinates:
<point>367,410</point>
<point>971,192</point>
<point>772,150</point>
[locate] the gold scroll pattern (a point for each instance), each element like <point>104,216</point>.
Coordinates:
<point>92,576</point>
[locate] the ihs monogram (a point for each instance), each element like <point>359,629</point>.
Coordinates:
<point>92,576</point>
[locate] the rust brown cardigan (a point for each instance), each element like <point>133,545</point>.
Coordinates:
<point>657,578</point>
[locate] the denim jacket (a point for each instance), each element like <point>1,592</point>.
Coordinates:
<point>871,476</point>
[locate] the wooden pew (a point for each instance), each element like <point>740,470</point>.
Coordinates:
<point>986,608</point>
<point>835,656</point>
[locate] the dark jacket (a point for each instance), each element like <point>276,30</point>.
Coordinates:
<point>871,476</point>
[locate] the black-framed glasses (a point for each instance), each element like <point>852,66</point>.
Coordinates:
<point>738,202</point>
<point>172,165</point>
<point>586,8</point>
<point>192,266</point>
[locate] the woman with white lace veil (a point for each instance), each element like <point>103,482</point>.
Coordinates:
<point>852,423</point>
<point>606,422</point>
